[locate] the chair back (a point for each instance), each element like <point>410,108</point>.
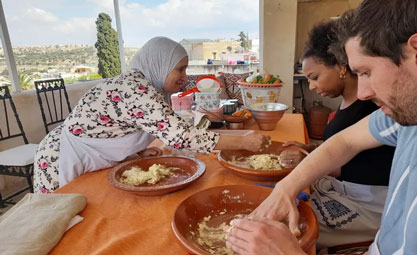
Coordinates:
<point>7,112</point>
<point>53,99</point>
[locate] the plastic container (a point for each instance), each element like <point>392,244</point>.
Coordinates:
<point>183,103</point>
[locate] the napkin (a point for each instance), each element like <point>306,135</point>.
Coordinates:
<point>37,222</point>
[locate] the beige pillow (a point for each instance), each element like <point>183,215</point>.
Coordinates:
<point>36,224</point>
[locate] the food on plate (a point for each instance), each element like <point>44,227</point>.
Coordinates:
<point>259,162</point>
<point>213,238</point>
<point>136,176</point>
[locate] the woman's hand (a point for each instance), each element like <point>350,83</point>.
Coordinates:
<point>290,158</point>
<point>262,236</point>
<point>256,141</point>
<point>308,147</point>
<point>280,205</point>
<point>149,152</point>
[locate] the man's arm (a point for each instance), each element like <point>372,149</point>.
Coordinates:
<point>333,153</point>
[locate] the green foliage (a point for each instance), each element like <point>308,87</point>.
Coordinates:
<point>26,81</point>
<point>107,46</point>
<point>243,39</point>
<point>38,58</point>
<point>70,80</point>
<point>95,76</point>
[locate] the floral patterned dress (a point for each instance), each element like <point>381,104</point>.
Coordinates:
<point>113,119</point>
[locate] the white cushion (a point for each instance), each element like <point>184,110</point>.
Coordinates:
<point>18,156</point>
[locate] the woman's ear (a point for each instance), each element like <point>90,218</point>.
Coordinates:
<point>342,71</point>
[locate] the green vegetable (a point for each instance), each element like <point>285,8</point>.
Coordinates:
<point>272,79</point>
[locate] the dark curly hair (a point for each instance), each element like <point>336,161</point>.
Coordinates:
<point>342,28</point>
<point>321,37</point>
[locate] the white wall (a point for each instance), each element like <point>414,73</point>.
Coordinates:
<point>278,24</point>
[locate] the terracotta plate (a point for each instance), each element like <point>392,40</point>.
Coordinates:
<point>233,200</point>
<point>276,148</point>
<point>191,170</point>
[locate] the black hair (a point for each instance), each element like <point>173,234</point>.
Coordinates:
<point>342,27</point>
<point>320,38</point>
<point>384,27</point>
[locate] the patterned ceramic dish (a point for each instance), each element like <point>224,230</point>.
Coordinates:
<point>226,156</point>
<point>222,204</point>
<point>259,93</point>
<point>191,170</point>
<point>207,100</point>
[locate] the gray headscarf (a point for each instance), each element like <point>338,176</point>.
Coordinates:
<point>156,59</point>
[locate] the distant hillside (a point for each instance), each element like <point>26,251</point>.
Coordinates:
<point>58,57</point>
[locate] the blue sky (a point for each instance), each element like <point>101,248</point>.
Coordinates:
<point>46,22</point>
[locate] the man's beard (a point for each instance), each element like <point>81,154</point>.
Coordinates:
<point>403,99</point>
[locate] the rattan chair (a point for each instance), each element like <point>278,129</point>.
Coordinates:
<point>53,99</point>
<point>17,161</point>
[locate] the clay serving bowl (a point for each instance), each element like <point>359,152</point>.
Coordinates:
<point>236,119</point>
<point>225,156</point>
<point>267,115</point>
<point>222,203</point>
<point>191,170</point>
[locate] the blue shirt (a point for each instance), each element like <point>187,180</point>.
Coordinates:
<point>398,232</point>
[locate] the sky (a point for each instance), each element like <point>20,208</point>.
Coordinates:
<point>50,22</point>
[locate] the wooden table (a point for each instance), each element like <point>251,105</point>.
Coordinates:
<point>117,222</point>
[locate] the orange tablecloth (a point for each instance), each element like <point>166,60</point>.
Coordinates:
<point>118,222</point>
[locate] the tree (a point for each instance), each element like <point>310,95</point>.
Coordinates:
<point>243,39</point>
<point>107,46</point>
<point>26,81</point>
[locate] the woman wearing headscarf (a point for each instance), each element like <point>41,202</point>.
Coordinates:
<point>122,116</point>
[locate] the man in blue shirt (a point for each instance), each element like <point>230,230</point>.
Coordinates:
<point>381,46</point>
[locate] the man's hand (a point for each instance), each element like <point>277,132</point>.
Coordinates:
<point>280,206</point>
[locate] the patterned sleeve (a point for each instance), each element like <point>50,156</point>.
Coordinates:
<point>383,128</point>
<point>147,109</point>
